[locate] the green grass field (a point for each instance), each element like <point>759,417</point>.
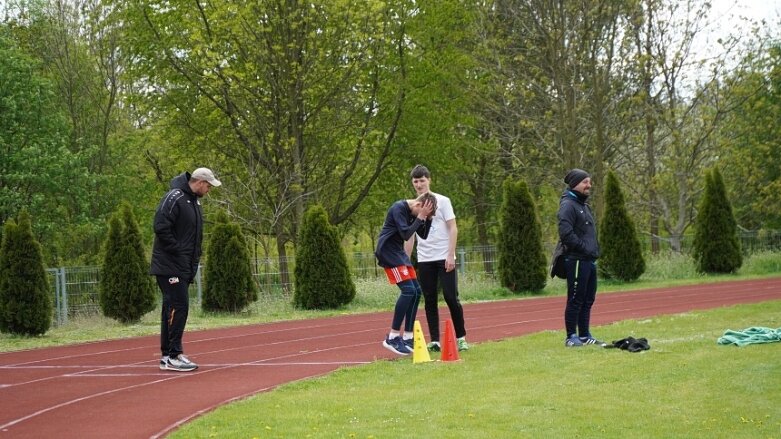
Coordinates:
<point>686,386</point>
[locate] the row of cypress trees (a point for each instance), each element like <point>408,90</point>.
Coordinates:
<point>322,276</point>
<point>127,291</point>
<point>523,266</point>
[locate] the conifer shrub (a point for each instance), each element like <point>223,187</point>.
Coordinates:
<point>522,263</point>
<point>126,290</point>
<point>322,276</point>
<point>25,300</point>
<point>621,254</point>
<point>229,285</point>
<point>716,247</point>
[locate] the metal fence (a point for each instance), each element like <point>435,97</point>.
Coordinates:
<point>75,289</point>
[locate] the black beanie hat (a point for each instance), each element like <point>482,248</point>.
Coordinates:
<point>574,177</point>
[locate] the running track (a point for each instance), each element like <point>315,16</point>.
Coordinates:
<point>95,390</point>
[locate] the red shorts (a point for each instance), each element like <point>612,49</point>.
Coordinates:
<point>400,274</point>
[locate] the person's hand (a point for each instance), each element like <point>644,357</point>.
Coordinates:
<point>450,263</point>
<point>425,210</point>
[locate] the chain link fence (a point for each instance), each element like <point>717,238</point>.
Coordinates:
<point>75,289</point>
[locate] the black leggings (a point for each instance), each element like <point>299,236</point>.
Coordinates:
<point>430,274</point>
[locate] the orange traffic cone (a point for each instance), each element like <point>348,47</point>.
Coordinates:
<point>420,350</point>
<point>450,347</point>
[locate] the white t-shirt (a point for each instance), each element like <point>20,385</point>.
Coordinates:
<point>434,248</point>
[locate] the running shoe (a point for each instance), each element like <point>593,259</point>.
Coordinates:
<point>410,344</point>
<point>434,347</point>
<point>573,342</point>
<point>163,362</point>
<point>396,345</point>
<point>462,344</point>
<point>180,363</point>
<point>588,340</point>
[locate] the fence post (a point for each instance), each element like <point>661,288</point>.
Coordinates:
<point>64,296</point>
<point>461,261</point>
<point>198,283</point>
<point>54,273</point>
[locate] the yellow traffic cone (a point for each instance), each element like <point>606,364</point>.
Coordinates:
<point>420,350</point>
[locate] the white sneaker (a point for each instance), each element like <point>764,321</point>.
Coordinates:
<point>164,362</point>
<point>180,363</point>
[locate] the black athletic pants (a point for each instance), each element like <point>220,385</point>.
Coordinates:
<point>430,275</point>
<point>176,306</point>
<point>581,294</point>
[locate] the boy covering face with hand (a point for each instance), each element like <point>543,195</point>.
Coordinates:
<point>404,218</point>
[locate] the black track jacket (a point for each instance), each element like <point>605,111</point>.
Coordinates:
<point>577,229</point>
<point>178,232</point>
<point>399,226</point>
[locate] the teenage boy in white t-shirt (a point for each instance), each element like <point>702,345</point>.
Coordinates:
<point>436,263</point>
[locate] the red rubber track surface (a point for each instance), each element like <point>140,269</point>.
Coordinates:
<point>95,390</point>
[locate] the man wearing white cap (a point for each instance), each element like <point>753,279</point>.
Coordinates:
<point>176,254</point>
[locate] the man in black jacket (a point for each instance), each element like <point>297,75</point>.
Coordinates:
<point>176,254</point>
<point>578,235</point>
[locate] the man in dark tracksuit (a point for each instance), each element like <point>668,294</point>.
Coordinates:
<point>176,254</point>
<point>578,234</point>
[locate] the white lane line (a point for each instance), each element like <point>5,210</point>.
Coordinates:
<point>135,386</point>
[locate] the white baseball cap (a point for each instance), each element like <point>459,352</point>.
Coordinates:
<point>207,175</point>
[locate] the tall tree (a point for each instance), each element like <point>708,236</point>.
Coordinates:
<point>37,171</point>
<point>522,263</point>
<point>716,248</point>
<point>25,298</point>
<point>621,256</point>
<point>750,136</point>
<point>76,48</point>
<point>294,101</point>
<point>679,107</point>
<point>555,93</point>
<point>439,123</point>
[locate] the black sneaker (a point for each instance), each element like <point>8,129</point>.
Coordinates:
<point>434,346</point>
<point>409,343</point>
<point>589,340</point>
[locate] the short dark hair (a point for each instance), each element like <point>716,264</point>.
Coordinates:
<point>428,196</point>
<point>420,171</point>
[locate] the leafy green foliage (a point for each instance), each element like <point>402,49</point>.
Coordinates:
<point>322,277</point>
<point>716,244</point>
<point>522,263</point>
<point>750,136</point>
<point>228,273</point>
<point>126,289</point>
<point>25,301</point>
<point>36,164</point>
<point>621,255</point>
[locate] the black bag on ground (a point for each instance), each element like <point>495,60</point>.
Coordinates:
<point>631,344</point>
